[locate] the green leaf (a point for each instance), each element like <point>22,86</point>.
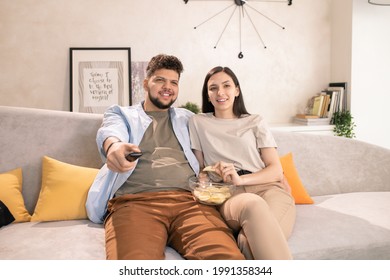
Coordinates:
<point>193,107</point>
<point>344,124</point>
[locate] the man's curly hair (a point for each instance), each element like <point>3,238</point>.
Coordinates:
<point>163,61</point>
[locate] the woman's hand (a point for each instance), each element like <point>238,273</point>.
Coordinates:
<point>228,173</point>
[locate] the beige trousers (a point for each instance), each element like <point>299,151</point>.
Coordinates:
<point>262,217</point>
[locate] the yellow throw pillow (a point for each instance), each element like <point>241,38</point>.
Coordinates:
<point>298,191</point>
<point>11,194</point>
<point>64,191</point>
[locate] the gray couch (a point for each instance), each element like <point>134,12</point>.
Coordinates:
<point>348,180</point>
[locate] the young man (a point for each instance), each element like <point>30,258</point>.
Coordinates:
<point>146,203</point>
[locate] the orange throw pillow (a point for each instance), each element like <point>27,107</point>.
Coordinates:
<point>298,191</point>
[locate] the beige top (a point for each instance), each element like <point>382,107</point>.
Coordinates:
<point>231,140</point>
<point>163,165</point>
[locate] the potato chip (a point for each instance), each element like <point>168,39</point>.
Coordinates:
<point>212,195</point>
<point>209,169</point>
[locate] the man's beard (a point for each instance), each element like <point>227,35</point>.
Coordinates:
<point>156,102</point>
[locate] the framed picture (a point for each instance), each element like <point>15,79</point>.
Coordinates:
<point>99,78</point>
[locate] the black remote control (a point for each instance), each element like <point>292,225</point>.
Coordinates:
<point>133,156</point>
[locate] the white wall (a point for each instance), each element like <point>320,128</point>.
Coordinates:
<point>371,72</point>
<point>35,37</point>
<point>341,43</point>
<point>360,55</point>
<point>327,40</point>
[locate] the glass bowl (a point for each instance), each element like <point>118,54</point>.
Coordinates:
<point>209,192</point>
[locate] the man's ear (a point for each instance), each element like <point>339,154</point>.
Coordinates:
<point>145,84</point>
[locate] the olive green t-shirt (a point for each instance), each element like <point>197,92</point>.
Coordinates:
<point>163,165</point>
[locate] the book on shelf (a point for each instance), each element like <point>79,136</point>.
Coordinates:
<point>321,107</point>
<point>303,116</point>
<point>333,97</point>
<point>344,98</point>
<point>311,121</point>
<point>332,104</point>
<point>317,105</point>
<point>325,106</point>
<point>340,104</point>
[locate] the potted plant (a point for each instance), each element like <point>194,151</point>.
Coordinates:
<point>343,124</point>
<point>193,107</point>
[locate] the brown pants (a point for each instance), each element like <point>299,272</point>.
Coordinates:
<point>139,226</point>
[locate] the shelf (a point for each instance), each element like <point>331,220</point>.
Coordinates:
<point>313,129</point>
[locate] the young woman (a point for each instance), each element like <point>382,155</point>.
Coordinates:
<point>241,150</point>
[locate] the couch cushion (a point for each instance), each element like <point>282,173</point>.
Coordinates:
<point>11,194</point>
<point>60,240</point>
<point>64,191</point>
<point>343,226</point>
<point>78,239</point>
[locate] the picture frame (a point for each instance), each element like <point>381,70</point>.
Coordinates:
<point>99,78</point>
